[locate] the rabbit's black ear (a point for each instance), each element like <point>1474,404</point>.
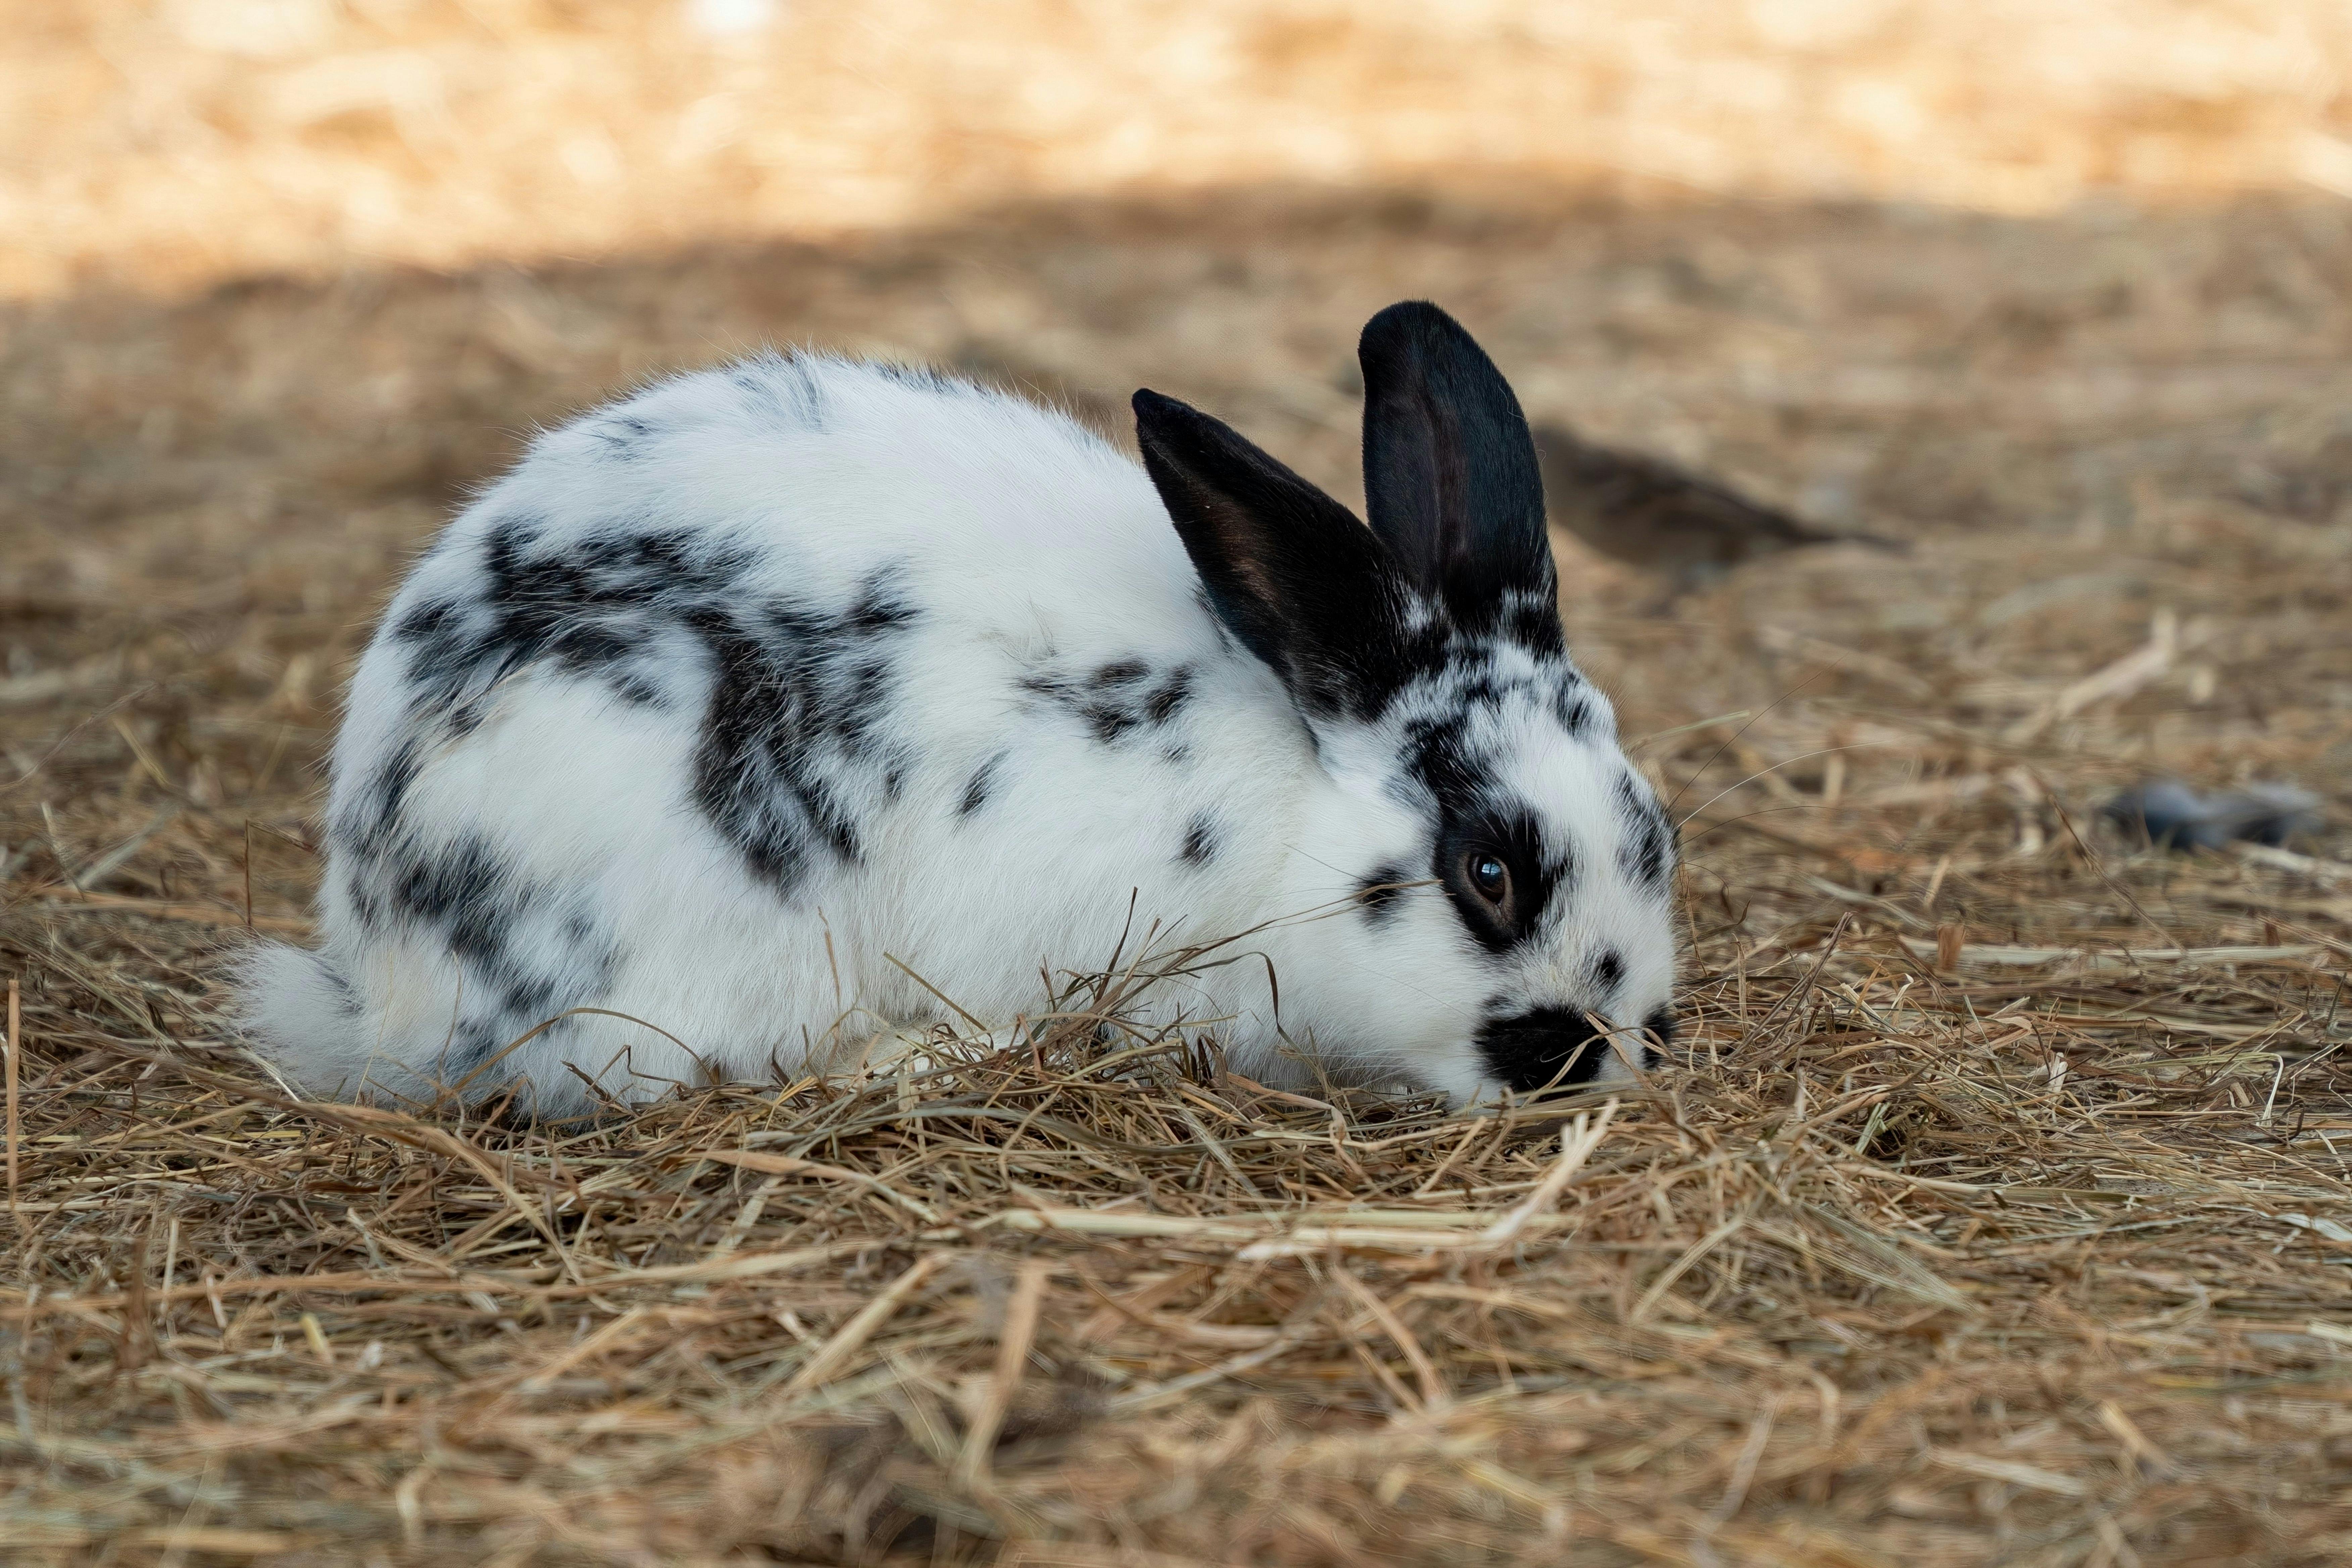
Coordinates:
<point>1451,483</point>
<point>1287,570</point>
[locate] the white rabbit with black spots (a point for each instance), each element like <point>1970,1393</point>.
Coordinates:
<point>740,699</point>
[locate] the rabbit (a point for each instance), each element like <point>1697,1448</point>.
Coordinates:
<point>742,702</point>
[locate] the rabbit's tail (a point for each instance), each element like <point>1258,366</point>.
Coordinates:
<point>300,1013</point>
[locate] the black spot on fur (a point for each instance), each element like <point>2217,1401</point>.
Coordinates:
<point>631,687</point>
<point>428,622</point>
<point>1553,1046</point>
<point>462,890</point>
<point>1469,674</point>
<point>879,606</point>
<point>623,436</point>
<point>1437,753</point>
<point>795,727</point>
<point>598,606</point>
<point>1116,698</point>
<point>527,950</point>
<point>347,1001</point>
<point>1572,706</point>
<point>976,790</point>
<point>920,377</point>
<point>1108,721</point>
<point>1608,970</point>
<point>1660,1026</point>
<point>1200,840</point>
<point>1379,891</point>
<point>1532,621</point>
<point>1169,696</point>
<point>375,813</point>
<point>783,389</point>
<point>1646,853</point>
<point>795,722</point>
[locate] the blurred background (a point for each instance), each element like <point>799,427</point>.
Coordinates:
<point>2060,296</point>
<point>175,143</point>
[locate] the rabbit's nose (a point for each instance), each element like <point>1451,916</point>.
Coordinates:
<point>1548,1047</point>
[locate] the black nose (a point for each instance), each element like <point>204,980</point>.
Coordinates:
<point>1555,1046</point>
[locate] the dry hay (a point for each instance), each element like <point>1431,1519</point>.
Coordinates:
<point>1998,1212</point>
<point>188,141</point>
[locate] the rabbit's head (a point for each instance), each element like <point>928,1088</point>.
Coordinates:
<point>1494,875</point>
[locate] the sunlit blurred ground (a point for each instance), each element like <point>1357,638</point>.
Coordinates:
<point>167,142</point>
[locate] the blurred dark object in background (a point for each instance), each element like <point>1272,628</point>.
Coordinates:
<point>1650,513</point>
<point>2175,816</point>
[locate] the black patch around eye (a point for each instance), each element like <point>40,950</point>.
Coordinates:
<point>1660,1025</point>
<point>1200,840</point>
<point>1511,837</point>
<point>1380,892</point>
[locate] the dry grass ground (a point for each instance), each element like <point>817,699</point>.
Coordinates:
<point>1997,1214</point>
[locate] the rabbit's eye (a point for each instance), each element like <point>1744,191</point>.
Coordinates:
<point>1490,876</point>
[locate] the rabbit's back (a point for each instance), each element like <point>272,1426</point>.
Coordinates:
<point>733,688</point>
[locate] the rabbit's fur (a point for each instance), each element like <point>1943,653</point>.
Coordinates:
<point>736,692</point>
